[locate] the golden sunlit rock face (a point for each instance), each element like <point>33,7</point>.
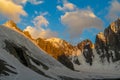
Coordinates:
<point>49,48</point>
<point>85,42</point>
<point>11,24</point>
<point>56,50</point>
<point>101,37</point>
<point>27,34</point>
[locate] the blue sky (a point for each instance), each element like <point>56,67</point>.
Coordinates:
<point>72,20</point>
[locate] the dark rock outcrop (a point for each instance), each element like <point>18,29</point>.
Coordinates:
<point>66,61</point>
<point>86,48</point>
<point>4,70</point>
<point>108,43</point>
<point>76,61</point>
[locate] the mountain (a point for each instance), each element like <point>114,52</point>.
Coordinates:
<point>104,55</point>
<point>108,45</point>
<point>55,47</point>
<point>22,56</point>
<point>58,46</point>
<point>59,49</point>
<point>22,59</point>
<point>100,57</point>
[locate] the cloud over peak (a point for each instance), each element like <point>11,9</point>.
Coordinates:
<point>40,29</point>
<point>40,21</point>
<point>77,21</point>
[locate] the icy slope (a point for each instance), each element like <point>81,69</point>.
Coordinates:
<point>21,72</point>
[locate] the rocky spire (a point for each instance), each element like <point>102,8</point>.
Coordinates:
<point>12,24</point>
<point>115,26</point>
<point>101,36</point>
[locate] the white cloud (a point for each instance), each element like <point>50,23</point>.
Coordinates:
<point>40,28</point>
<point>40,33</point>
<point>114,10</point>
<point>35,2</point>
<point>10,10</point>
<point>19,1</point>
<point>42,13</point>
<point>76,21</point>
<point>40,21</point>
<point>66,6</point>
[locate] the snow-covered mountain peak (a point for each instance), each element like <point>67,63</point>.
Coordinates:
<point>57,42</point>
<point>82,44</point>
<point>54,40</point>
<point>56,46</point>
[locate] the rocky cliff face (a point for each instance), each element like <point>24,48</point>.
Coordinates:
<point>12,24</point>
<point>108,43</point>
<point>86,49</point>
<point>28,34</point>
<point>100,46</point>
<point>106,48</point>
<point>59,49</point>
<point>56,47</point>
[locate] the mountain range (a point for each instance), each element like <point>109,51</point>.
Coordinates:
<point>45,59</point>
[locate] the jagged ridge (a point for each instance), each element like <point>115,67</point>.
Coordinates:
<point>106,48</point>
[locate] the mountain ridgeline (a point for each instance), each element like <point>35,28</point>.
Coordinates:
<point>106,47</point>
<point>22,59</point>
<point>22,56</point>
